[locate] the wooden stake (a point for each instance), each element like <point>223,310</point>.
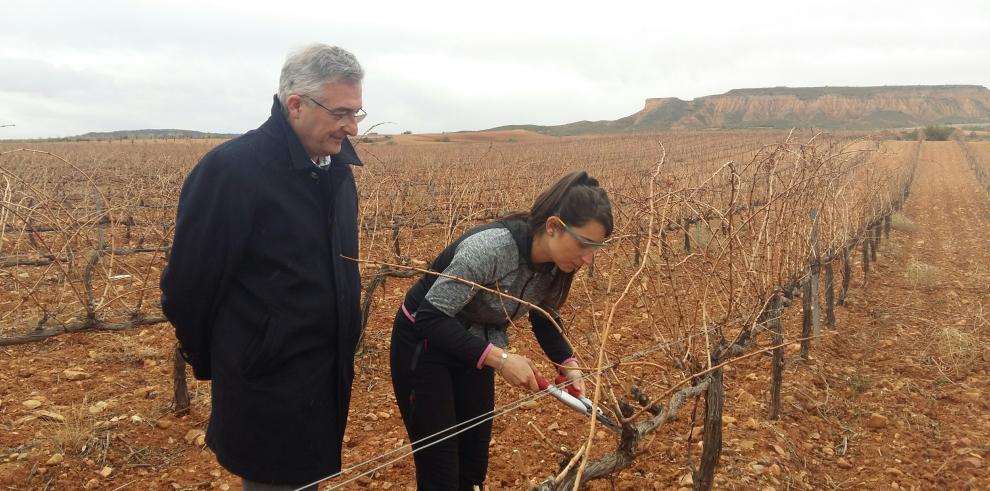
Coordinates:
<point>777,365</point>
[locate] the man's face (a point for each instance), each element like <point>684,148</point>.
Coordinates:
<point>320,132</point>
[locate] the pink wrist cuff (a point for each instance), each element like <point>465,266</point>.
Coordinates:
<point>568,360</point>
<point>484,354</point>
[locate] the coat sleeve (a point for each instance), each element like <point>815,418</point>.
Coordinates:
<point>551,340</point>
<point>213,224</point>
<point>553,343</point>
<point>474,261</point>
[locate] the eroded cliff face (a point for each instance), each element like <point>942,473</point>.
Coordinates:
<point>838,107</point>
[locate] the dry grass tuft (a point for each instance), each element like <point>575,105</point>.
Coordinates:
<point>921,275</point>
<point>900,222</point>
<point>956,351</point>
<point>76,434</point>
<point>122,348</point>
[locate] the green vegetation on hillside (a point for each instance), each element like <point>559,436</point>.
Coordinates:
<point>938,132</point>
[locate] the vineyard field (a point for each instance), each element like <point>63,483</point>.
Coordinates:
<point>881,380</point>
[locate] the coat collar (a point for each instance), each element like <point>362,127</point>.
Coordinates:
<point>523,237</point>
<point>278,127</point>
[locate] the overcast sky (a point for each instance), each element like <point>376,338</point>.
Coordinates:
<point>70,67</point>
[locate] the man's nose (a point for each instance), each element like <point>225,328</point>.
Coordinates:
<point>351,128</point>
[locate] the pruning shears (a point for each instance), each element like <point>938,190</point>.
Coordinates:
<point>573,399</point>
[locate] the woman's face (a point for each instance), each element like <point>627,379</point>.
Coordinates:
<point>571,247</point>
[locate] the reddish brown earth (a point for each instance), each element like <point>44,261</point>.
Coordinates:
<point>881,404</point>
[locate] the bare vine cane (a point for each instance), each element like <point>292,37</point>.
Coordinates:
<point>611,316</point>
<point>613,462</point>
<point>55,259</point>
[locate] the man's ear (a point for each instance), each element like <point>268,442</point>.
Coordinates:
<point>292,105</point>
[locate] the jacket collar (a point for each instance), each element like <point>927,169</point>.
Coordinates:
<point>523,237</point>
<point>278,127</point>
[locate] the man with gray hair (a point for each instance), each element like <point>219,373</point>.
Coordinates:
<point>262,301</point>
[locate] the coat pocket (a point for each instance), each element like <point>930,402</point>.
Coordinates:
<point>261,355</point>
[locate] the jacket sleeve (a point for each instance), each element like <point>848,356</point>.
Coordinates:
<point>213,223</point>
<point>435,318</point>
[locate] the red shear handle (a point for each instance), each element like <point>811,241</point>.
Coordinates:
<point>540,381</point>
<point>561,379</point>
<point>571,389</point>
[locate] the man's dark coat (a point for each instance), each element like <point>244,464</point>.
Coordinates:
<point>264,304</point>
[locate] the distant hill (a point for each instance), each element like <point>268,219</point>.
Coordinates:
<point>153,133</point>
<point>853,108</point>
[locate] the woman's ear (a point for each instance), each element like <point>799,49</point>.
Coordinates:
<point>550,226</point>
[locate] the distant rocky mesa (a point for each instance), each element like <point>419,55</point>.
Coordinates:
<point>854,108</point>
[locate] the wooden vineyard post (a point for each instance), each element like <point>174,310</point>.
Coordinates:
<point>777,365</point>
<point>94,257</point>
<point>816,267</point>
<point>875,235</point>
<point>866,251</point>
<point>128,223</point>
<point>846,273</point>
<point>816,310</point>
<point>396,249</point>
<point>886,226</point>
<point>829,296</point>
<point>704,477</point>
<point>30,228</point>
<point>687,236</point>
<point>374,282</point>
<point>810,316</point>
<point>806,315</point>
<point>181,392</point>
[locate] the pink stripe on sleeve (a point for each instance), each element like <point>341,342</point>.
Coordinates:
<point>573,358</point>
<point>411,317</point>
<point>484,354</point>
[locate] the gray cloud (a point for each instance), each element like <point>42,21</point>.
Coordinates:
<point>69,67</point>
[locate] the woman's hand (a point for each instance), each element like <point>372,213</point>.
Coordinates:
<point>575,377</point>
<point>517,370</point>
<point>520,372</point>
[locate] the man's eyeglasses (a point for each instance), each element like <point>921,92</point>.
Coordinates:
<point>586,244</point>
<point>343,116</point>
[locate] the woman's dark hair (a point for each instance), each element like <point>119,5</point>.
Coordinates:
<point>576,198</point>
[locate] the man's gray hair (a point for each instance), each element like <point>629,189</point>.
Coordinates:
<point>306,71</point>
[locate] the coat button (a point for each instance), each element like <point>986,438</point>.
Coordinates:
<point>312,174</point>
